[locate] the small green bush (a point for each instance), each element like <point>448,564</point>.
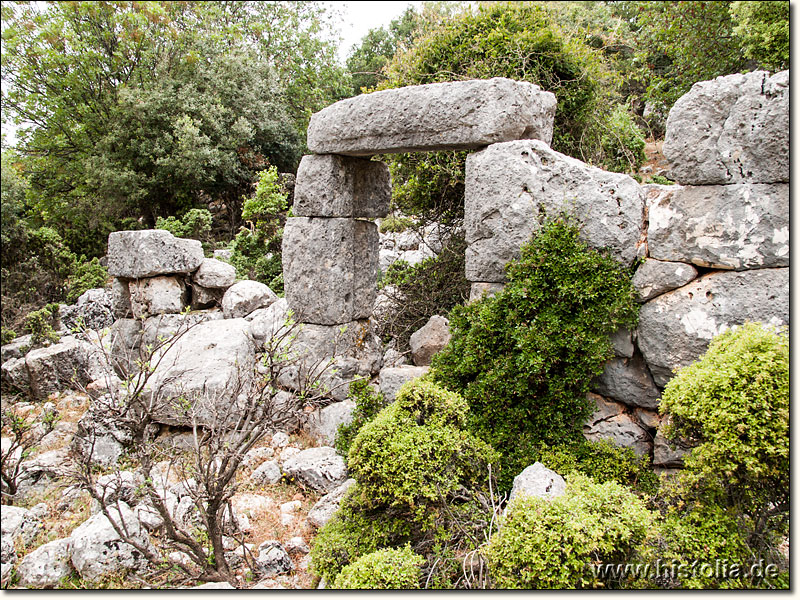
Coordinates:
<point>622,142</point>
<point>195,224</point>
<point>525,358</point>
<point>39,324</point>
<point>416,450</point>
<point>661,180</point>
<point>387,569</point>
<point>393,224</point>
<point>550,544</point>
<point>368,405</point>
<point>603,461</point>
<point>86,275</point>
<point>732,406</point>
<point>8,335</point>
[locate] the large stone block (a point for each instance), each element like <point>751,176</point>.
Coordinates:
<point>137,254</point>
<point>675,328</point>
<point>330,269</point>
<point>742,226</point>
<point>342,186</point>
<point>628,380</point>
<point>731,129</point>
<point>157,296</point>
<point>656,277</point>
<point>439,116</point>
<point>511,187</point>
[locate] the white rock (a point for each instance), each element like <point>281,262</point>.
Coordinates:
<point>321,468</point>
<point>46,566</point>
<point>214,273</point>
<point>244,297</point>
<point>539,481</point>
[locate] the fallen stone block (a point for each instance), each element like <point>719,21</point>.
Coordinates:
<point>139,254</point>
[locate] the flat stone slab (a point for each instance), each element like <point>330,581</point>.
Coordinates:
<point>330,269</point>
<point>439,116</point>
<point>136,254</point>
<point>740,226</point>
<point>342,186</point>
<point>512,187</point>
<point>731,129</point>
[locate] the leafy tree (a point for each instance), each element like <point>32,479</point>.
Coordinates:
<point>763,28</point>
<point>134,109</point>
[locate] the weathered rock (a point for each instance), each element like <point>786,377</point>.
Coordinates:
<point>94,309</point>
<point>538,481</point>
<point>269,323</point>
<point>393,378</point>
<point>342,186</point>
<point>214,273</point>
<point>138,254</point>
<point>15,375</point>
<point>622,343</point>
<point>743,226</point>
<point>100,439</point>
<point>667,453</point>
<point>17,522</point>
<point>46,566</point>
<point>440,116</point>
<point>297,545</point>
<point>125,341</point>
<point>387,258</point>
<point>429,339</point>
<point>648,418</point>
<point>122,485</point>
<point>208,365</point>
<point>8,554</point>
<point>223,254</point>
<point>16,348</point>
<point>323,423</point>
<point>330,269</point>
<point>244,297</point>
<point>280,439</point>
<point>256,456</point>
<point>157,296</point>
<point>675,328</point>
<point>323,510</point>
<point>203,297</point>
<point>628,380</point>
<point>394,358</point>
<point>70,363</point>
<point>480,289</point>
<point>97,549</point>
<point>37,474</point>
<point>321,469</point>
<point>268,473</point>
<point>730,130</point>
<point>610,422</point>
<point>272,559</point>
<point>655,277</point>
<point>335,355</point>
<point>511,187</point>
<point>161,330</point>
<point>120,298</point>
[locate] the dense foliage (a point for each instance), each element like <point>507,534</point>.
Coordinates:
<point>368,403</point>
<point>387,569</point>
<point>524,359</point>
<point>552,543</point>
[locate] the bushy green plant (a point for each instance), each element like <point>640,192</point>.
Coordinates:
<point>552,543</point>
<point>8,335</point>
<point>661,180</point>
<point>40,325</point>
<point>268,201</point>
<point>602,460</point>
<point>524,359</point>
<point>416,293</point>
<point>395,224</point>
<point>763,28</point>
<point>732,407</point>
<point>86,275</point>
<point>368,404</point>
<point>195,224</point>
<point>622,142</point>
<point>387,569</point>
<point>416,450</point>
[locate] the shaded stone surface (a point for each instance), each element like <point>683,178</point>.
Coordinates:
<point>676,328</point>
<point>628,380</point>
<point>610,422</point>
<point>743,226</point>
<point>512,187</point>
<point>157,296</point>
<point>656,277</point>
<point>342,186</point>
<point>393,378</point>
<point>138,254</point>
<point>730,130</point>
<point>330,269</point>
<point>439,116</point>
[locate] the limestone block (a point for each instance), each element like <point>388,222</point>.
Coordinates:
<point>157,296</point>
<point>246,296</point>
<point>138,254</point>
<point>429,339</point>
<point>439,116</point>
<point>742,226</point>
<point>93,310</point>
<point>46,566</point>
<point>342,186</point>
<point>538,481</point>
<point>330,269</point>
<point>324,509</point>
<point>731,129</point>
<point>120,298</point>
<point>214,273</point>
<point>480,289</point>
<point>511,187</point>
<point>611,422</point>
<point>628,380</point>
<point>203,297</point>
<point>656,277</point>
<point>675,328</point>
<point>324,423</point>
<point>321,469</point>
<point>393,378</point>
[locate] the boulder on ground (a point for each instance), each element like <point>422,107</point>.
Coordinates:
<point>214,273</point>
<point>324,422</point>
<point>244,297</point>
<point>429,339</point>
<point>46,566</point>
<point>440,116</point>
<point>94,309</point>
<point>393,378</point>
<point>139,254</point>
<point>731,129</point>
<point>538,481</point>
<point>323,510</point>
<point>70,364</point>
<point>272,559</point>
<point>321,469</point>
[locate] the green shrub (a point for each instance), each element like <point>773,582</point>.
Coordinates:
<point>732,406</point>
<point>387,569</point>
<point>416,293</point>
<point>8,335</point>
<point>86,275</point>
<point>40,325</point>
<point>416,450</point>
<point>551,543</point>
<point>195,224</point>
<point>763,28</point>
<point>661,180</point>
<point>393,224</point>
<point>268,202</point>
<point>525,358</point>
<point>603,461</point>
<point>368,404</point>
<point>622,142</point>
